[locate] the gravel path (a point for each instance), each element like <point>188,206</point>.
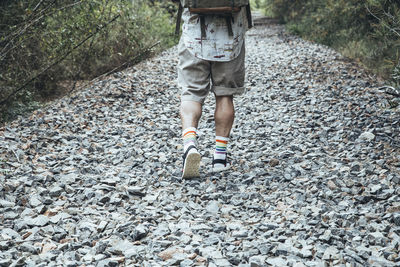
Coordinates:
<point>94,179</point>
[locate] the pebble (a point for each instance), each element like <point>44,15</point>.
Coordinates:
<point>367,136</point>
<point>396,219</point>
<point>314,177</point>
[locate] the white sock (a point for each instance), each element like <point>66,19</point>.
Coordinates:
<point>220,150</point>
<point>189,138</point>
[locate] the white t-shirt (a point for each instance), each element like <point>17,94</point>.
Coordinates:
<point>217,45</point>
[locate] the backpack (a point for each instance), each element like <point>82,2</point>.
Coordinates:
<point>224,8</point>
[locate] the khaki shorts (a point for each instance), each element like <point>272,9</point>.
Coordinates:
<point>196,77</point>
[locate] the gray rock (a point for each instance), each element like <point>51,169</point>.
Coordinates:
<point>306,252</point>
<point>60,216</point>
<point>257,261</point>
<point>120,246</point>
<point>186,263</point>
<point>10,233</point>
<point>26,247</point>
<point>367,136</point>
<point>240,234</point>
<point>55,191</point>
<point>222,262</point>
<point>326,237</point>
<point>137,191</point>
<point>282,250</point>
<point>5,262</point>
<point>140,232</point>
<point>10,215</point>
<point>211,240</point>
<point>213,207</point>
<point>69,263</point>
<point>6,204</point>
<point>396,219</point>
<point>277,261</point>
<point>34,201</point>
<point>39,220</point>
<point>102,225</point>
<point>331,253</point>
<point>19,262</point>
<point>134,251</point>
<point>375,188</point>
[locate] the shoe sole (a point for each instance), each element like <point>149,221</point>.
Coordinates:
<point>192,165</point>
<point>222,168</point>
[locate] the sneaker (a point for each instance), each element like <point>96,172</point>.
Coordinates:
<point>191,163</point>
<point>220,165</point>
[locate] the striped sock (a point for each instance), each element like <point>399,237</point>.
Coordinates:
<point>189,138</point>
<point>221,144</point>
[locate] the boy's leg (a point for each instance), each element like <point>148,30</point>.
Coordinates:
<point>190,116</point>
<point>228,80</point>
<point>224,115</point>
<point>194,81</point>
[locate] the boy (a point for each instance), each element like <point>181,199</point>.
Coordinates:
<point>211,58</point>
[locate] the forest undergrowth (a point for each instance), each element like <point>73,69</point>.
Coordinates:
<point>50,48</point>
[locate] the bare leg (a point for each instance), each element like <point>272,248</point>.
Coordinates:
<point>224,115</point>
<point>190,114</point>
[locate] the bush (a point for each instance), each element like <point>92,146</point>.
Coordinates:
<point>366,30</point>
<point>59,41</point>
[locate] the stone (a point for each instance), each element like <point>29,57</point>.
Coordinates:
<point>40,221</point>
<point>6,204</point>
<point>367,136</point>
<point>375,188</point>
<point>8,233</point>
<point>331,253</point>
<point>332,185</point>
<point>137,191</point>
<point>257,261</point>
<point>55,191</point>
<point>186,263</point>
<point>222,262</point>
<point>273,162</point>
<point>277,261</point>
<point>5,262</point>
<point>58,217</point>
<point>140,232</point>
<point>169,253</point>
<point>396,219</point>
<point>102,225</point>
<point>213,207</point>
<point>34,201</point>
<point>119,246</point>
<point>240,234</point>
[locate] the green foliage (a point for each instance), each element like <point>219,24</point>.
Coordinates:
<point>58,41</point>
<point>366,30</point>
<point>255,4</point>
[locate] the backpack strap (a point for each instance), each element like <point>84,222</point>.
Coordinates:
<point>229,20</point>
<point>249,19</point>
<point>203,26</point>
<point>178,19</point>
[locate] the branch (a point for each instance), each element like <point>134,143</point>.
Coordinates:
<point>13,36</point>
<point>141,53</point>
<point>383,23</point>
<point>122,66</point>
<point>391,90</point>
<point>57,61</point>
<point>31,23</point>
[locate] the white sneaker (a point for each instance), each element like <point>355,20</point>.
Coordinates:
<point>191,163</point>
<point>220,165</point>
